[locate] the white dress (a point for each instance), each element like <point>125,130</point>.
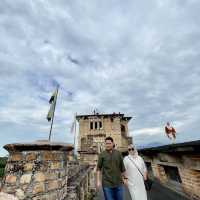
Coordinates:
<point>135,179</point>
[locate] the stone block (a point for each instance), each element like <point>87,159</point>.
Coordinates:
<point>57,156</point>
<point>40,177</point>
<point>62,173</point>
<point>16,157</point>
<point>52,185</point>
<point>30,157</point>
<point>42,197</point>
<point>4,196</point>
<point>20,194</point>
<point>55,165</point>
<point>38,188</point>
<point>25,179</point>
<point>53,196</point>
<point>51,176</point>
<point>9,190</point>
<point>24,187</point>
<point>11,179</point>
<point>28,167</point>
<point>47,155</point>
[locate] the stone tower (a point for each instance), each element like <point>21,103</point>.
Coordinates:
<point>94,128</point>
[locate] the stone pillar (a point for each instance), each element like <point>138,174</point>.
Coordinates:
<point>159,172</point>
<point>37,170</point>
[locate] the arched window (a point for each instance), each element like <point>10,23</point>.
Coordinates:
<point>123,129</point>
<point>100,125</point>
<point>95,125</point>
<point>91,125</point>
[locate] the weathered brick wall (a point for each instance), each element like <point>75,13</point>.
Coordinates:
<point>187,165</point>
<point>37,174</point>
<point>190,182</point>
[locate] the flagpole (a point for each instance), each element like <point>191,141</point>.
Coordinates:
<point>53,115</point>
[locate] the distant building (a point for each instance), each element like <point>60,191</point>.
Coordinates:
<point>94,128</point>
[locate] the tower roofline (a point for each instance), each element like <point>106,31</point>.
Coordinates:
<point>78,117</point>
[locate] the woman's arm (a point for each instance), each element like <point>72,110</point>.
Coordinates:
<point>144,169</point>
<point>124,175</point>
<point>145,175</point>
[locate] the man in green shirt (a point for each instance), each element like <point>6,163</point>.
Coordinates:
<point>110,163</point>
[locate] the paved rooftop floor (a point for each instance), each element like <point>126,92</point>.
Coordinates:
<point>158,192</point>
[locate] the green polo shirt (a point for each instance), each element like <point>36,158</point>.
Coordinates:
<point>112,166</point>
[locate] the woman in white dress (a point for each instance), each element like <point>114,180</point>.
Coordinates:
<point>135,180</point>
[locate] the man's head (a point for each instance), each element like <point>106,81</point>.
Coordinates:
<point>109,144</point>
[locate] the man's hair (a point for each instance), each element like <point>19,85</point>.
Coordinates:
<point>109,138</point>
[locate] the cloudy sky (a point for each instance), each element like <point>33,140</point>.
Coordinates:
<point>138,57</point>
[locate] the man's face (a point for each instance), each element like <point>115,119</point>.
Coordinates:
<point>109,145</point>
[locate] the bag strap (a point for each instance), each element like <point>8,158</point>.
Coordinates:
<point>136,166</point>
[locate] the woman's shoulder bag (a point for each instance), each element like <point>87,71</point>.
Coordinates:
<point>148,182</point>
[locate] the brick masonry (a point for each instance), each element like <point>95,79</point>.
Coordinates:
<point>40,171</point>
<point>37,171</point>
<point>185,157</point>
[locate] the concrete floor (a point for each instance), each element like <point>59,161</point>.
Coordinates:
<point>158,192</point>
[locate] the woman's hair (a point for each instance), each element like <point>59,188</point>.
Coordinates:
<point>130,146</point>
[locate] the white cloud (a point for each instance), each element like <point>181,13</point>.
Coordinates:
<point>140,58</point>
<point>148,131</point>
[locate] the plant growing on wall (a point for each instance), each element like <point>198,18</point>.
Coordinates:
<point>3,161</point>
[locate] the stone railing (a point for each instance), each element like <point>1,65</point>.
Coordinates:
<point>80,181</point>
<point>37,171</point>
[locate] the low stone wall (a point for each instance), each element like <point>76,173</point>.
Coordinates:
<point>37,171</point>
<point>80,180</point>
<point>176,166</point>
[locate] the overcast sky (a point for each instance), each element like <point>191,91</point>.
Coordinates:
<point>137,57</point>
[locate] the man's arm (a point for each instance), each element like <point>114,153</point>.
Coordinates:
<point>123,170</point>
<point>144,168</point>
<point>124,178</point>
<point>99,166</point>
<point>98,179</point>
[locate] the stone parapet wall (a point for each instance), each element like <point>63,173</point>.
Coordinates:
<point>37,171</point>
<point>79,181</point>
<point>159,173</point>
<point>176,166</point>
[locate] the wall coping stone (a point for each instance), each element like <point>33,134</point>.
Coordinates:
<point>185,147</point>
<point>38,145</point>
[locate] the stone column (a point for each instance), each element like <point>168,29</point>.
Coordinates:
<point>159,172</point>
<point>37,170</point>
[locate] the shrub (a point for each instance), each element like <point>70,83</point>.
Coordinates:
<point>3,161</point>
<point>1,172</point>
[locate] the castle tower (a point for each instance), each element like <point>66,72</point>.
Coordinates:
<point>94,128</point>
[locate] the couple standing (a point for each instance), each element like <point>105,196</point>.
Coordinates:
<point>116,171</point>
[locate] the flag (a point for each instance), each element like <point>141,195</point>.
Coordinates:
<point>52,101</point>
<point>170,130</point>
